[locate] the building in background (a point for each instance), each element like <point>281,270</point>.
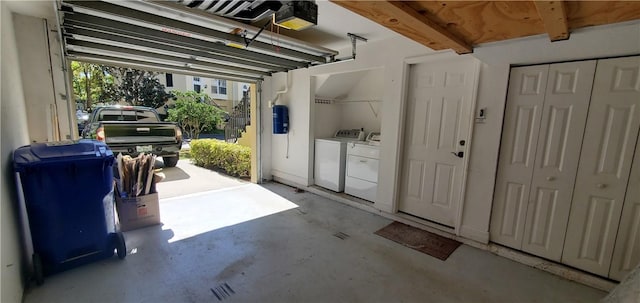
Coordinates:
<point>226,94</point>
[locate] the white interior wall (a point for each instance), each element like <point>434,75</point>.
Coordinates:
<point>327,116</point>
<point>354,113</point>
<point>496,58</point>
<point>266,115</point>
<point>290,152</point>
<point>66,108</point>
<point>44,80</point>
<point>347,110</point>
<point>596,42</point>
<point>13,134</point>
<point>31,40</point>
<point>369,87</point>
<point>385,55</point>
<point>328,119</point>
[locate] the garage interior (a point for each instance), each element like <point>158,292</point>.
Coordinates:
<point>291,253</point>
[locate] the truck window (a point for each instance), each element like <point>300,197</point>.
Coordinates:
<point>146,116</point>
<point>127,115</point>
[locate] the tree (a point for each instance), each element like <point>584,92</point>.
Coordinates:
<point>109,92</point>
<point>138,87</point>
<point>92,83</point>
<point>193,113</point>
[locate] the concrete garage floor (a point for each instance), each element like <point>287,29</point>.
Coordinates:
<point>188,178</point>
<point>271,244</point>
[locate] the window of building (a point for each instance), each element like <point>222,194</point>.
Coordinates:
<point>196,79</point>
<point>169,78</point>
<point>219,87</point>
<point>196,87</point>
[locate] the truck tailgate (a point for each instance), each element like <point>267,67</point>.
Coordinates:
<point>127,132</point>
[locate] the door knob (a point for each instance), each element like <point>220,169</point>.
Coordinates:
<point>458,154</point>
<point>551,178</point>
<point>601,185</point>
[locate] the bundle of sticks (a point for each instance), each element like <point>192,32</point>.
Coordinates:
<point>135,175</point>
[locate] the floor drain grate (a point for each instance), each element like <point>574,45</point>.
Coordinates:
<point>222,291</point>
<point>341,235</point>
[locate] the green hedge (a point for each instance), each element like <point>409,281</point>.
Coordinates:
<point>234,159</point>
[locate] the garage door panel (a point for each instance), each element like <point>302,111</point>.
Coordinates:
<point>173,38</point>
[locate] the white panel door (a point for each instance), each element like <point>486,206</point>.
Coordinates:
<point>626,253</point>
<point>605,162</point>
<point>562,126</point>
<point>438,118</point>
<point>525,98</point>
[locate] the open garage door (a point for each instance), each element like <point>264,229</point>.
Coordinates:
<point>174,38</point>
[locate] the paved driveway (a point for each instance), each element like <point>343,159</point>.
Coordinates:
<point>187,178</point>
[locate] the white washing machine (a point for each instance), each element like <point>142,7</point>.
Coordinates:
<point>330,159</point>
<point>361,175</point>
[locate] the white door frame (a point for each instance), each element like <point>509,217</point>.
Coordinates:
<point>439,56</point>
<point>258,127</point>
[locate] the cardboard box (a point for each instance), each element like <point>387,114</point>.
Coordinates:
<point>138,212</point>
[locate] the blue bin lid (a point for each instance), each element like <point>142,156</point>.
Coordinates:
<point>59,151</point>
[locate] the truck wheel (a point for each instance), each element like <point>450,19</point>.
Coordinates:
<point>170,161</point>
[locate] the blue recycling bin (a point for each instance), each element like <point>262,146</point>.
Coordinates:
<point>68,194</point>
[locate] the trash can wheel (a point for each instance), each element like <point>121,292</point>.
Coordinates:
<point>37,269</point>
<point>121,246</point>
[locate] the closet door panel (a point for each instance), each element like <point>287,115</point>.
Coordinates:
<point>564,117</point>
<point>605,161</point>
<point>626,253</point>
<point>525,98</point>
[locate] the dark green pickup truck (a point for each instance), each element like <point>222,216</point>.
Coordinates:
<point>132,130</point>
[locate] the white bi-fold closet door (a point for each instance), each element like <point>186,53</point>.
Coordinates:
<point>605,163</point>
<point>569,138</point>
<point>626,253</point>
<point>544,123</point>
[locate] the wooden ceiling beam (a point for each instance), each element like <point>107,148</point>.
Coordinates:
<point>406,21</point>
<point>554,17</point>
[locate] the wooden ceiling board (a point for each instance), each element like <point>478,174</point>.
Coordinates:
<point>400,18</point>
<point>457,24</point>
<point>484,21</point>
<point>554,16</point>
<point>411,18</point>
<point>591,13</point>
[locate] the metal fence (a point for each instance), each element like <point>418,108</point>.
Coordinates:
<point>238,119</point>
